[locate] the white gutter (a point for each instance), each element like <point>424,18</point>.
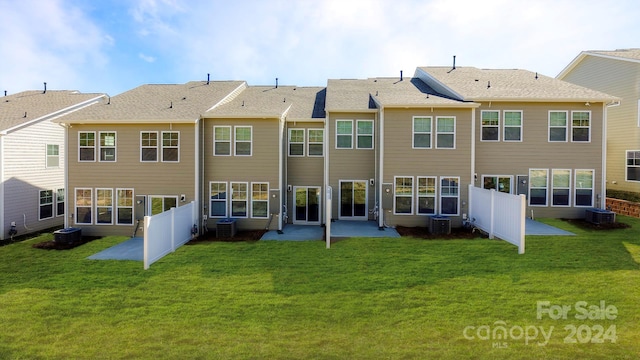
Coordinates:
<point>281,173</point>
<point>473,150</point>
<point>381,170</point>
<point>67,203</point>
<point>197,173</point>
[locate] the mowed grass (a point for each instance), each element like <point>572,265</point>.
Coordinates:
<point>365,298</point>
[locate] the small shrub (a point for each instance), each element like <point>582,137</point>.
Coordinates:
<point>624,195</point>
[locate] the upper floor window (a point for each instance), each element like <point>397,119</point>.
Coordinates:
<point>445,132</point>
<point>364,134</point>
<point>296,142</point>
<point>107,146</point>
<point>222,140</point>
<point>558,126</point>
<point>512,126</point>
<point>344,134</point>
<point>633,165</point>
<point>422,132</point>
<point>86,146</point>
<point>490,125</point>
<point>170,146</point>
<point>316,142</point>
<point>581,126</point>
<point>243,140</point>
<point>53,155</point>
<point>46,204</point>
<point>148,146</point>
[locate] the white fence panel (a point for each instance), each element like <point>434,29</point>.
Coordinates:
<point>499,214</point>
<point>167,231</point>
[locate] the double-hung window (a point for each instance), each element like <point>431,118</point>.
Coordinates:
<point>243,140</point>
<point>497,182</point>
<point>260,200</point>
<point>538,184</point>
<point>296,142</point>
<point>60,202</point>
<point>170,146</point>
<point>316,142</point>
<point>239,199</point>
<point>84,205</point>
<point>107,146</point>
<point>344,134</point>
<point>149,146</point>
<point>160,204</point>
<point>46,204</point>
<point>449,195</point>
<point>633,165</point>
<point>53,155</point>
<point>560,187</point>
<point>124,207</point>
<point>445,132</point>
<point>218,199</point>
<point>581,126</point>
<point>104,206</point>
<point>426,195</point>
<point>422,132</point>
<point>222,140</point>
<point>86,146</point>
<point>490,123</point>
<point>558,126</point>
<point>512,125</point>
<point>364,134</point>
<point>403,192</point>
<point>584,188</point>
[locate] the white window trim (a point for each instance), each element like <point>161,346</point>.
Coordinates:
<point>230,141</point>
<point>303,143</point>
<point>553,187</point>
<point>487,126</point>
<point>395,195</point>
<point>95,140</point>
<point>336,138</point>
<point>115,146</point>
<point>150,202</point>
<point>639,113</point>
<point>64,196</point>
<point>96,206</point>
<point>546,200</point>
<point>142,147</point>
<point>449,196</point>
<point>434,196</point>
<point>226,200</point>
<point>47,156</point>
<point>252,200</point>
<point>162,147</point>
<point>132,207</point>
<point>236,141</point>
<point>75,214</point>
<point>372,135</point>
<point>246,200</point>
<point>309,143</point>
<point>566,127</point>
<point>504,125</point>
<point>581,127</point>
<point>413,132</point>
<point>626,166</point>
<point>52,204</point>
<point>593,184</point>
<point>455,130</point>
<point>498,177</point>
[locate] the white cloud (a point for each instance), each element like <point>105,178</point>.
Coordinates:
<point>146,58</point>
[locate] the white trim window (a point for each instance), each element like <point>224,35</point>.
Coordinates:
<point>260,200</point>
<point>104,206</point>
<point>161,203</point>
<point>450,195</point>
<point>217,199</point>
<point>581,126</point>
<point>445,132</point>
<point>490,125</point>
<point>344,134</point>
<point>53,156</point>
<point>501,183</point>
<point>315,142</point>
<point>584,187</point>
<point>364,134</point>
<point>107,146</point>
<point>512,130</point>
<point>222,141</point>
<point>148,146</point>
<point>243,140</point>
<point>124,207</point>
<point>84,206</point>
<point>87,146</point>
<point>403,192</point>
<point>45,209</point>
<point>171,146</point>
<point>558,126</point>
<point>426,194</point>
<point>296,142</point>
<point>239,199</point>
<point>60,194</point>
<point>633,165</point>
<point>421,132</point>
<point>560,187</point>
<point>538,186</point>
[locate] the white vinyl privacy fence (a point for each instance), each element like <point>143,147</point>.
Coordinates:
<point>167,231</point>
<point>500,215</point>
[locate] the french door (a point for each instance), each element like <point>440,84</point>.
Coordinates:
<point>307,205</point>
<point>353,200</point>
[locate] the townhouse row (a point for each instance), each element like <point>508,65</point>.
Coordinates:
<point>393,150</point>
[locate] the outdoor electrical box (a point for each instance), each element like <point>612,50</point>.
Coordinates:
<point>274,201</point>
<point>387,196</point>
<point>140,207</point>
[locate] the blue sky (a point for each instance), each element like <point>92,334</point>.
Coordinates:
<point>113,46</point>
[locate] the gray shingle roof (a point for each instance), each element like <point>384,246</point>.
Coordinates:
<point>158,103</point>
<point>631,54</point>
<point>20,108</point>
<point>475,84</point>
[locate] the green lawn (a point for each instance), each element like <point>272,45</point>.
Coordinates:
<point>362,299</point>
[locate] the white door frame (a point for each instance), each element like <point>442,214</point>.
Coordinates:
<point>295,212</point>
<point>365,217</point>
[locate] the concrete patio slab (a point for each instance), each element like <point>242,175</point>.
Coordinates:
<point>532,227</point>
<point>339,229</point>
<point>292,232</point>
<point>132,249</point>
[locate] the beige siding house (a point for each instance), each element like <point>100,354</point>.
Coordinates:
<point>615,72</point>
<point>32,162</point>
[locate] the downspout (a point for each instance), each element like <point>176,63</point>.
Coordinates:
<point>473,163</point>
<point>2,187</point>
<point>603,178</point>
<point>197,174</point>
<point>381,210</point>
<point>326,167</point>
<point>203,201</point>
<point>281,172</point>
<point>67,201</point>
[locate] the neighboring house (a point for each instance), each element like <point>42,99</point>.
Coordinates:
<point>32,162</point>
<point>615,72</point>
